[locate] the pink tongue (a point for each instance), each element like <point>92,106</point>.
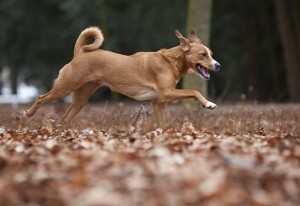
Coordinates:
<point>204,72</point>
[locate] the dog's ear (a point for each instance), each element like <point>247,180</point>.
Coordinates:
<point>184,43</point>
<point>193,38</point>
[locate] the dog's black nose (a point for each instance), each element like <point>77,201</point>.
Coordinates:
<point>217,66</point>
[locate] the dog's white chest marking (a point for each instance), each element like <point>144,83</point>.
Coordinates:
<point>145,95</point>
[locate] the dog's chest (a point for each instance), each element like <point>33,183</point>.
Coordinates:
<point>145,95</point>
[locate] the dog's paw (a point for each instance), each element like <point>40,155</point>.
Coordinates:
<point>209,105</point>
<point>24,114</point>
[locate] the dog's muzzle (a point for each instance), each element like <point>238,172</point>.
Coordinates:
<point>203,71</point>
<point>217,66</point>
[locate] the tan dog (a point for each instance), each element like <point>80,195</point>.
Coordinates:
<point>142,76</point>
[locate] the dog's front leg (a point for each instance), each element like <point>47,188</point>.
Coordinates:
<point>177,94</point>
<point>159,112</point>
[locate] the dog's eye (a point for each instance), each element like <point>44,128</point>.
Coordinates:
<point>203,54</point>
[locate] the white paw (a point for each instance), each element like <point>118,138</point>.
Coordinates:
<point>24,113</point>
<point>209,105</point>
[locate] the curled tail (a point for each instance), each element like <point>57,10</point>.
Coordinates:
<point>93,32</point>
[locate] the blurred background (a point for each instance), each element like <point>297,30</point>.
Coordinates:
<point>256,42</point>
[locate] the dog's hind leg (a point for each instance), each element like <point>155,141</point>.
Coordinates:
<point>52,95</point>
<point>79,98</point>
<point>63,86</point>
<point>159,112</point>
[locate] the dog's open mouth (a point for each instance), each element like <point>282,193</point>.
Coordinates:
<point>203,71</point>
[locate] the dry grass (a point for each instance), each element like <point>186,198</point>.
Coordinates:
<point>237,119</point>
<point>234,155</point>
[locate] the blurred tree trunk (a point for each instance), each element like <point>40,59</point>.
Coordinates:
<point>249,41</point>
<point>199,20</point>
<point>104,19</point>
<point>268,37</point>
<point>14,80</point>
<point>296,17</point>
<point>290,41</point>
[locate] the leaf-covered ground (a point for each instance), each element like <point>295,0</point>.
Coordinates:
<point>113,155</point>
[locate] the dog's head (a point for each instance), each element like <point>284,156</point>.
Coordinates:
<point>198,57</point>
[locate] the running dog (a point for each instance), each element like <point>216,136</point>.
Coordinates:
<point>141,76</point>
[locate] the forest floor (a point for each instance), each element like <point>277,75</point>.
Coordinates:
<point>239,154</point>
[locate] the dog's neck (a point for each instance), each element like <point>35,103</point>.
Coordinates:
<point>176,58</point>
